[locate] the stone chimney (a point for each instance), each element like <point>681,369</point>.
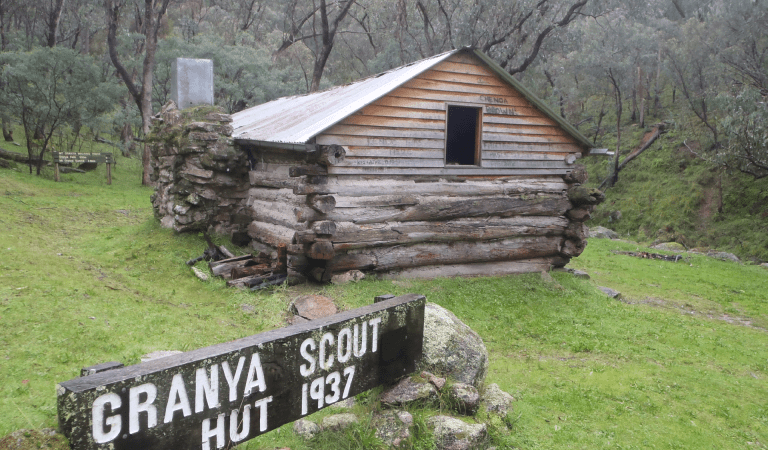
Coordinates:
<point>192,82</point>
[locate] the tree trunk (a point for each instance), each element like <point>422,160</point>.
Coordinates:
<point>142,95</point>
<point>53,19</point>
<point>7,131</point>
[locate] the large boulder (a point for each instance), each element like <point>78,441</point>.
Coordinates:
<point>451,348</point>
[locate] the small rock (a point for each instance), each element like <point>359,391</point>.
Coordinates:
<point>453,434</point>
<point>669,246</point>
<point>764,265</point>
<point>464,398</point>
<point>546,277</point>
<point>610,292</point>
<point>434,379</point>
<point>723,256</point>
<point>497,401</point>
<point>408,391</point>
<point>393,427</point>
<point>246,308</point>
<point>306,428</point>
<point>200,274</point>
<point>602,233</point>
<point>338,422</point>
<point>314,307</point>
<point>159,354</point>
<point>345,404</point>
<point>347,277</point>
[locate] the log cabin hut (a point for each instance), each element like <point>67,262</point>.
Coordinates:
<point>446,166</point>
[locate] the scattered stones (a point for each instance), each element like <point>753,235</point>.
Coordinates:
<point>602,233</point>
<point>306,428</point>
<point>313,307</point>
<point>338,422</point>
<point>465,398</point>
<point>436,381</point>
<point>393,427</point>
<point>497,401</point>
<point>160,354</point>
<point>348,277</point>
<point>610,292</point>
<point>46,438</point>
<point>451,348</point>
<point>407,391</point>
<point>669,246</point>
<point>453,434</point>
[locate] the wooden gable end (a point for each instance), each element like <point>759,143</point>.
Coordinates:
<point>404,133</point>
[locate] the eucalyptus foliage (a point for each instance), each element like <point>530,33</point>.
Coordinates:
<point>49,89</point>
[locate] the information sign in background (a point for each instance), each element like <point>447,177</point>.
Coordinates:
<point>223,395</point>
<point>81,158</point>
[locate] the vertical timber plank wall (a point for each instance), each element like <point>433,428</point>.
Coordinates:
<point>403,133</point>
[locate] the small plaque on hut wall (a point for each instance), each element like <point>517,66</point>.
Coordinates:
<point>226,394</point>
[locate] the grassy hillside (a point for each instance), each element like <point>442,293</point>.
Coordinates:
<point>669,193</point>
<point>87,276</point>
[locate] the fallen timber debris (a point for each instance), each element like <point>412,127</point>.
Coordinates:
<point>244,271</point>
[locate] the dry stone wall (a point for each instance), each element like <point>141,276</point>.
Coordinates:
<point>201,176</point>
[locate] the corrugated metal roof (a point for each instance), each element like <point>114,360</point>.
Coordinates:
<point>297,119</point>
<point>293,121</point>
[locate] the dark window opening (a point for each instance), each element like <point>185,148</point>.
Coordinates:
<point>462,137</point>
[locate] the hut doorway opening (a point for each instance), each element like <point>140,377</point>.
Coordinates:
<point>462,136</point>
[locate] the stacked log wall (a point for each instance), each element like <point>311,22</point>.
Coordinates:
<point>443,228</point>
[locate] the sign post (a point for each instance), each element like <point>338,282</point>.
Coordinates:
<point>223,395</point>
<point>81,158</point>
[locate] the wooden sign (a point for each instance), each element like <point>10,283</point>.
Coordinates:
<point>82,158</point>
<point>223,395</point>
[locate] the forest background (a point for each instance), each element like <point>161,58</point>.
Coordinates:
<point>689,75</point>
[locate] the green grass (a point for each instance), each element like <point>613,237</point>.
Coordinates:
<point>87,276</point>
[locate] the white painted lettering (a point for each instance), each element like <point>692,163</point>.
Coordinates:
<point>136,406</point>
<point>375,332</point>
<point>307,346</point>
<point>217,432</point>
<point>207,387</point>
<point>333,379</point>
<point>177,399</point>
<point>304,401</point>
<point>345,347</point>
<point>255,371</point>
<point>232,380</point>
<point>359,349</point>
<point>326,364</point>
<point>262,405</point>
<point>349,372</point>
<point>316,391</point>
<point>100,436</point>
<point>234,424</point>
